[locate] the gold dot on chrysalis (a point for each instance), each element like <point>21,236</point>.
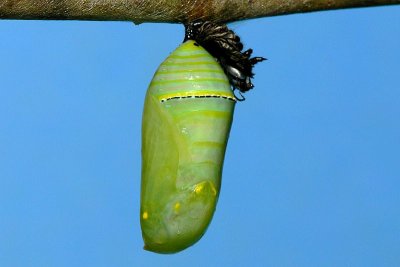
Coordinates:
<point>145,215</point>
<point>199,188</point>
<point>177,207</point>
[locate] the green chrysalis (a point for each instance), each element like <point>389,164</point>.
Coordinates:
<point>186,122</point>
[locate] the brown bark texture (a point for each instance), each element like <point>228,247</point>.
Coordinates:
<point>171,11</point>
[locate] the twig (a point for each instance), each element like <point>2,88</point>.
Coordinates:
<point>172,11</point>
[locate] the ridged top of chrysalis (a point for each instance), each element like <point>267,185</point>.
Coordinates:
<point>190,71</point>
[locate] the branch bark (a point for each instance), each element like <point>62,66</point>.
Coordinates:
<point>172,11</point>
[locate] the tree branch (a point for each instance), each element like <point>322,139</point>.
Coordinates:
<point>172,11</point>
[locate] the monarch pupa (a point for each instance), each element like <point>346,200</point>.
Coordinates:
<point>186,122</point>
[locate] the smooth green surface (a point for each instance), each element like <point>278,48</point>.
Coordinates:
<point>183,147</point>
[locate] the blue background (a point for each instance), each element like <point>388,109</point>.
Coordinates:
<point>312,171</point>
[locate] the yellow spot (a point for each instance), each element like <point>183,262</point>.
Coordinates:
<point>199,188</point>
<point>177,207</point>
<point>145,215</point>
